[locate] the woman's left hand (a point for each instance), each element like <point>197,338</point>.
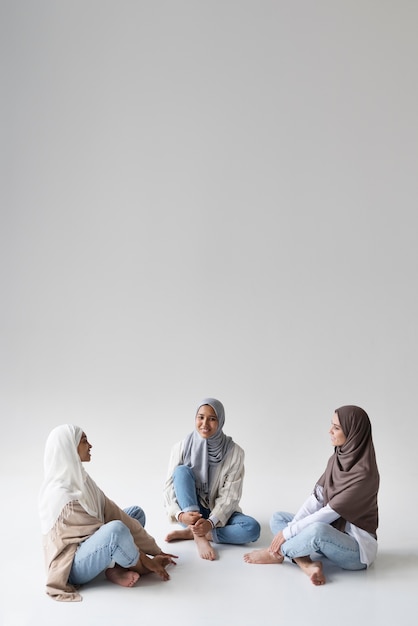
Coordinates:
<point>202,527</point>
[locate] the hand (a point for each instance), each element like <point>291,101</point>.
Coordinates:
<point>169,558</point>
<point>189,517</point>
<point>277,542</point>
<point>156,564</point>
<point>202,527</point>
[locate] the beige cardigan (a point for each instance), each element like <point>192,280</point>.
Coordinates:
<point>226,488</point>
<point>73,526</point>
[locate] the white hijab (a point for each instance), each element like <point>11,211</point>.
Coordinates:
<point>65,479</point>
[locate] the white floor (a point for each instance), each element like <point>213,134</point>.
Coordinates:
<point>200,592</point>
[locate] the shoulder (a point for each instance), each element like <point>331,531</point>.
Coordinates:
<point>237,450</point>
<point>235,455</point>
<point>177,447</point>
<point>176,453</point>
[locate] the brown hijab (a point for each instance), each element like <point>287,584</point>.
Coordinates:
<point>351,478</point>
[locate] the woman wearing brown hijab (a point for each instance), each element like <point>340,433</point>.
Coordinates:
<point>340,518</point>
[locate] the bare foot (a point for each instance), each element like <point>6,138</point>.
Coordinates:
<point>121,576</point>
<point>313,569</point>
<point>204,548</point>
<point>180,535</point>
<point>262,557</point>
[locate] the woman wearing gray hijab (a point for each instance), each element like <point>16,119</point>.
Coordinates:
<point>204,485</point>
<point>340,518</point>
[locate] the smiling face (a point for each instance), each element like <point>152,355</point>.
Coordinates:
<point>83,448</point>
<point>337,436</point>
<point>206,421</point>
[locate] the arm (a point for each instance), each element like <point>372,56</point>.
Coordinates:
<point>227,490</point>
<point>312,510</point>
<point>325,514</point>
<point>311,505</point>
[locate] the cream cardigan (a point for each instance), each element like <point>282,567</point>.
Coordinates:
<point>226,489</point>
<point>73,526</point>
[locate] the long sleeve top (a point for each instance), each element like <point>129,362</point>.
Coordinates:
<point>74,526</point>
<point>313,510</point>
<point>226,485</point>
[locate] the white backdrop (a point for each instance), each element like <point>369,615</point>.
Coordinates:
<point>208,198</point>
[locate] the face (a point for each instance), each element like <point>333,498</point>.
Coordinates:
<point>83,449</point>
<point>206,421</point>
<point>337,436</point>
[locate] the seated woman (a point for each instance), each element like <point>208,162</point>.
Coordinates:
<point>85,533</point>
<point>340,518</point>
<point>204,485</point>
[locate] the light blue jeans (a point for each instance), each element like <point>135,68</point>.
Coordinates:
<point>111,543</point>
<point>238,530</point>
<point>321,538</point>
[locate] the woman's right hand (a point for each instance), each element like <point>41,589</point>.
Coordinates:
<point>157,564</point>
<point>189,518</point>
<point>278,541</point>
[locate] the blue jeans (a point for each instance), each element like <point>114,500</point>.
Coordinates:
<point>239,528</point>
<point>111,543</point>
<point>321,538</point>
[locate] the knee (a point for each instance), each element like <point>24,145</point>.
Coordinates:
<point>116,530</point>
<point>279,519</point>
<point>136,512</point>
<point>317,533</point>
<point>182,471</point>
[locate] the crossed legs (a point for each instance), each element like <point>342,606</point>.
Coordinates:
<point>320,538</point>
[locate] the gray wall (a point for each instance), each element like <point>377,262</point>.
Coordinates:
<point>209,198</point>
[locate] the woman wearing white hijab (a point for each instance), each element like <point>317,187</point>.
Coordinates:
<point>204,485</point>
<point>85,533</point>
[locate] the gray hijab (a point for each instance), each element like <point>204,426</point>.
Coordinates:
<point>203,455</point>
